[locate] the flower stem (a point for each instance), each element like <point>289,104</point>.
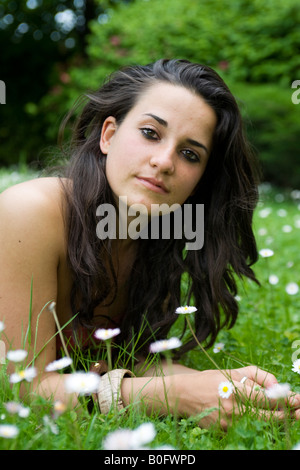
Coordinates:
<point>109,360</point>
<point>205,352</point>
<point>53,311</point>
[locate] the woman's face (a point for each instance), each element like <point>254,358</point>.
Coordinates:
<point>160,150</point>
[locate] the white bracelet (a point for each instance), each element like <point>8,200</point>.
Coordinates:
<point>109,392</point>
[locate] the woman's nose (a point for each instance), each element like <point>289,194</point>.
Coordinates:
<point>163,159</point>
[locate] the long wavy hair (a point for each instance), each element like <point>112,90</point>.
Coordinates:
<point>228,190</point>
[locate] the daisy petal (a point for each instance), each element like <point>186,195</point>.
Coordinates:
<point>186,309</point>
<point>225,389</point>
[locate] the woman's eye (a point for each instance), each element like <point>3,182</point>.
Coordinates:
<point>149,133</point>
<point>190,155</point>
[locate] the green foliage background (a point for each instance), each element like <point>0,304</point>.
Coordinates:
<point>254,45</point>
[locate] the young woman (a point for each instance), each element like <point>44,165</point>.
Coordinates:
<point>167,133</point>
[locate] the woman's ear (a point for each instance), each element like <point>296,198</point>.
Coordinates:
<point>107,132</point>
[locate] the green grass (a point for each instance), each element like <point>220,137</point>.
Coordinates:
<point>267,334</point>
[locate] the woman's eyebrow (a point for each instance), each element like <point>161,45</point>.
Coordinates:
<point>165,124</point>
<point>158,119</point>
<point>197,144</point>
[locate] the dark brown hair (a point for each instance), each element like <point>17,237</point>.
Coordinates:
<point>228,190</point>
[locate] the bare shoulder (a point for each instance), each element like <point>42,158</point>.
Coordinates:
<point>33,209</point>
<point>34,194</point>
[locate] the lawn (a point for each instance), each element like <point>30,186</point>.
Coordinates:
<point>267,334</point>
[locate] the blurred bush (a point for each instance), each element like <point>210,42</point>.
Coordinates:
<point>254,45</point>
<point>247,40</point>
<point>272,124</point>
<point>39,39</point>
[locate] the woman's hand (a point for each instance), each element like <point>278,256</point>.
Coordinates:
<point>249,395</point>
<point>188,392</point>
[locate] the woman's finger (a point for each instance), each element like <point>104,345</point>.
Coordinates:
<point>252,393</point>
<point>291,401</point>
<point>226,419</point>
<point>247,390</point>
<point>261,377</point>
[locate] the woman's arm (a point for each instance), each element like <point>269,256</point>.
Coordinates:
<point>187,392</point>
<point>52,385</point>
<point>30,245</point>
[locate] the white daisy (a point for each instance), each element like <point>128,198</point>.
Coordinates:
<point>59,364</point>
<point>2,326</point>
<point>165,345</point>
<point>51,425</point>
<point>292,288</point>
<point>295,194</point>
<point>278,391</point>
<point>23,411</point>
<point>273,279</point>
<point>83,383</point>
<point>142,435</point>
<point>27,374</point>
<point>118,440</point>
<point>225,389</point>
<point>127,439</point>
<point>186,309</point>
<point>297,223</point>
<point>18,355</point>
<point>9,431</point>
<point>287,228</point>
<point>266,252</point>
<point>218,347</point>
<point>282,213</point>
<point>262,231</point>
<point>105,334</point>
<point>296,366</point>
<point>13,407</point>
<point>263,213</point>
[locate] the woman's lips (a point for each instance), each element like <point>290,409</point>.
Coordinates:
<point>153,184</point>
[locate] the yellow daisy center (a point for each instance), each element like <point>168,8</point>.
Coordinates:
<point>225,388</point>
